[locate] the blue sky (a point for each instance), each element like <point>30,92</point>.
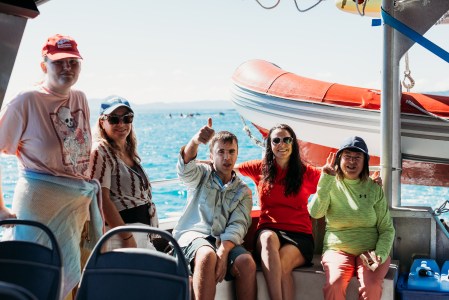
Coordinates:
<point>187,50</point>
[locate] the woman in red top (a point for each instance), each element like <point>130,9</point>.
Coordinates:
<point>284,232</point>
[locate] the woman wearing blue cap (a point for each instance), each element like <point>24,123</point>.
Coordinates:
<point>359,230</point>
<point>125,186</point>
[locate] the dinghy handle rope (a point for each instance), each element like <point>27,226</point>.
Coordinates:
<point>308,8</point>
<point>425,111</point>
<point>268,7</point>
<point>407,76</point>
<point>442,209</point>
<point>357,4</point>
<point>296,4</point>
<point>251,136</point>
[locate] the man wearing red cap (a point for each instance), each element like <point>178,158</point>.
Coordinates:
<point>47,128</point>
<point>61,63</point>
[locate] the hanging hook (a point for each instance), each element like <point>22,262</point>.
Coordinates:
<point>411,82</point>
<point>408,82</point>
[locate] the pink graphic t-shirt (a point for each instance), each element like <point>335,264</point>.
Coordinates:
<point>49,133</point>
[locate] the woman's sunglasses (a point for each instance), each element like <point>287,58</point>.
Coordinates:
<point>287,140</point>
<point>114,119</point>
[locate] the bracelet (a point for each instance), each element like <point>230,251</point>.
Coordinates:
<point>125,239</point>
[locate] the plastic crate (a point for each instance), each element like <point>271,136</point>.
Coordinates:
<point>444,279</point>
<point>404,293</point>
<point>424,275</point>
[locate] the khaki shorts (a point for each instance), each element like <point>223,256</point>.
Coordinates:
<point>190,252</point>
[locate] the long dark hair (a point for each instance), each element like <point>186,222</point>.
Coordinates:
<point>295,170</point>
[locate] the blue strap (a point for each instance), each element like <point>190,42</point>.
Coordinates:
<point>376,22</point>
<point>415,36</point>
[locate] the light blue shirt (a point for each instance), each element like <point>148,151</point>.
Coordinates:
<point>222,211</point>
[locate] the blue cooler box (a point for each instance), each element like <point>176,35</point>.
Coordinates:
<point>405,293</point>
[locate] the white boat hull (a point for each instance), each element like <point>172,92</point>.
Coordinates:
<point>424,139</point>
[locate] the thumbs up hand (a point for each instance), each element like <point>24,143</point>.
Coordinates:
<point>205,134</point>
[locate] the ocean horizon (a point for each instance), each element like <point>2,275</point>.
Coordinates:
<point>160,136</point>
<point>173,107</point>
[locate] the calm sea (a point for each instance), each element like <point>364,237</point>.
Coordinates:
<point>161,136</point>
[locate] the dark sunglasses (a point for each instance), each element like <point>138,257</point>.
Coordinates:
<point>287,140</point>
<point>114,119</point>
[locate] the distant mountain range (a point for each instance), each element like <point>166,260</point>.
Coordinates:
<point>189,107</point>
<point>192,106</point>
<point>443,93</point>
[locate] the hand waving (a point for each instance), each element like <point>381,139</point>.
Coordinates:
<point>330,168</point>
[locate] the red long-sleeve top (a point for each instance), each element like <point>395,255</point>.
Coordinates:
<point>276,210</point>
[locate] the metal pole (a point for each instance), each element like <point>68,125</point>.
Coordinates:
<point>395,45</point>
<point>396,142</point>
<point>386,112</point>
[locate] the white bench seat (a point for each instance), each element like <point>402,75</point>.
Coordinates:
<point>309,282</point>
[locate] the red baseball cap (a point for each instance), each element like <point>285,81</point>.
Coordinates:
<point>60,46</point>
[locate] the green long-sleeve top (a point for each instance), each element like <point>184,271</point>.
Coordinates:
<point>357,216</point>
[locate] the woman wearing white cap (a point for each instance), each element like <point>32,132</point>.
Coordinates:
<point>359,230</point>
<point>125,186</point>
<point>47,128</point>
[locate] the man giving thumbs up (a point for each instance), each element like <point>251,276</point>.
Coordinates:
<point>217,216</point>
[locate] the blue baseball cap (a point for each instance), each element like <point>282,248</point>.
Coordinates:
<point>112,103</point>
<point>354,143</point>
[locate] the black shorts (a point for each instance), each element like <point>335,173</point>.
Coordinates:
<point>139,214</point>
<point>304,242</point>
